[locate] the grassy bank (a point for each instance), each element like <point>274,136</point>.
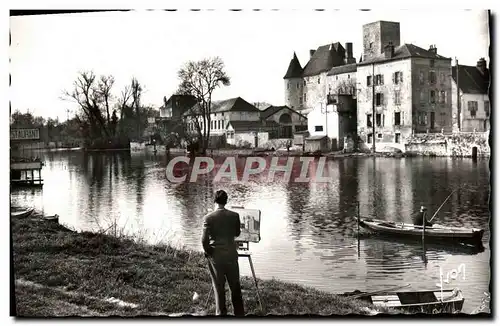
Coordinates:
<point>59,272</point>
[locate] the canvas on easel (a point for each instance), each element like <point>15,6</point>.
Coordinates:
<point>250,224</point>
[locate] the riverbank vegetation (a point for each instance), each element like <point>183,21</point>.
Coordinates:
<point>59,272</point>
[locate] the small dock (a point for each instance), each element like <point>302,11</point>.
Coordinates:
<point>25,171</point>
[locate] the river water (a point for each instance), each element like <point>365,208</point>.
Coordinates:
<point>307,229</point>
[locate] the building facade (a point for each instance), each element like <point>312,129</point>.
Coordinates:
<point>288,120</point>
<point>306,88</point>
<point>471,106</point>
<point>402,89</point>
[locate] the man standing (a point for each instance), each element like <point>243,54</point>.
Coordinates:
<point>419,217</point>
<point>220,228</point>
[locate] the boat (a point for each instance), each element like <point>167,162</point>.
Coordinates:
<point>51,218</point>
<point>439,233</point>
<point>426,301</point>
<point>21,213</point>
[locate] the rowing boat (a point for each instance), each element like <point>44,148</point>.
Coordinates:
<point>426,301</point>
<point>21,213</point>
<point>442,234</point>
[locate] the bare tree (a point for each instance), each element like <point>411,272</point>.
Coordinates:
<point>136,90</point>
<point>200,79</point>
<point>104,89</point>
<point>86,94</point>
<point>126,94</point>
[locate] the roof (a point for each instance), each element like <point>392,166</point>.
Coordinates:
<point>239,125</point>
<point>470,79</point>
<point>275,109</point>
<point>319,137</point>
<point>403,52</point>
<point>352,67</point>
<point>236,104</point>
<point>294,68</point>
<point>324,58</point>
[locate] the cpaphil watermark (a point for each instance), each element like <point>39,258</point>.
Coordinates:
<point>270,169</point>
<point>451,275</point>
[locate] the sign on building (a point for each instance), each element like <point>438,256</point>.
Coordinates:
<point>24,134</point>
<point>151,120</point>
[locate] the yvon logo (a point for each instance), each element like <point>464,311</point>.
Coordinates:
<point>451,275</point>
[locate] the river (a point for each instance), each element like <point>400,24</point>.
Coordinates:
<point>307,229</point>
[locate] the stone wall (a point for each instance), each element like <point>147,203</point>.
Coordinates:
<point>456,144</point>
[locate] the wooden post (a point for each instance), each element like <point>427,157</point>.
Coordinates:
<point>358,216</point>
<point>423,228</point>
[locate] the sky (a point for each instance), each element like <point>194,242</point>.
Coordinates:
<point>48,51</point>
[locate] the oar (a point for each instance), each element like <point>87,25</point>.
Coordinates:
<point>442,205</point>
<point>376,292</point>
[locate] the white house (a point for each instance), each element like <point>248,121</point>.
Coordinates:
<point>473,113</point>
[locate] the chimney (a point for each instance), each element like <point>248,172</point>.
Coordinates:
<point>349,58</point>
<point>481,66</point>
<point>433,49</point>
<point>311,52</point>
<point>389,50</point>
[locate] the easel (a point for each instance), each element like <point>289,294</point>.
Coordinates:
<point>243,251</point>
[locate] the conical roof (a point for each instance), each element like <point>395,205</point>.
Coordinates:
<point>294,68</point>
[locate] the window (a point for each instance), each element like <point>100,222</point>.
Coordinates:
<point>397,118</point>
<point>318,128</point>
<point>222,114</point>
<point>369,120</point>
<point>432,77</point>
<point>397,137</point>
<point>432,63</point>
<point>336,77</point>
<point>368,80</point>
<point>472,106</point>
<point>371,45</point>
<point>379,79</point>
<point>421,78</point>
<point>348,76</point>
<point>432,96</point>
<point>487,108</point>
<point>319,80</point>
<point>378,119</point>
<point>305,97</point>
<point>379,136</point>
<point>298,85</point>
<point>212,124</point>
<point>397,77</point>
<point>300,99</point>
<point>397,97</point>
<point>288,85</point>
<point>379,99</point>
<point>422,97</point>
<point>422,118</point>
<point>369,138</point>
<point>442,97</point>
<point>304,83</point>
<point>442,77</point>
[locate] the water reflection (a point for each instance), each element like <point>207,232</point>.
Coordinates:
<point>308,229</point>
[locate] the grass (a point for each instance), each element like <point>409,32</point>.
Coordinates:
<point>60,272</point>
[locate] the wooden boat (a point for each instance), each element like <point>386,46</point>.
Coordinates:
<point>442,234</point>
<point>427,301</point>
<point>22,213</point>
<point>52,218</point>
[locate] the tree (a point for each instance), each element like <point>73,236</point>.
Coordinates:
<point>87,95</point>
<point>136,90</point>
<point>200,79</point>
<point>104,90</point>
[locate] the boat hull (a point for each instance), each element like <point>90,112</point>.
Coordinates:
<point>432,234</point>
<point>429,302</point>
<point>23,213</point>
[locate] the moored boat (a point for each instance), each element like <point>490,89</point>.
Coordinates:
<point>442,234</point>
<point>426,301</point>
<point>22,213</point>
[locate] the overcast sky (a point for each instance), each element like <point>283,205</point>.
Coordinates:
<point>48,51</point>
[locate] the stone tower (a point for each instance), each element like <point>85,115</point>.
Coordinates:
<point>377,35</point>
<point>294,84</point>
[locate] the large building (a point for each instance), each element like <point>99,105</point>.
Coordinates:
<point>408,87</point>
<point>473,111</point>
<point>306,88</point>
